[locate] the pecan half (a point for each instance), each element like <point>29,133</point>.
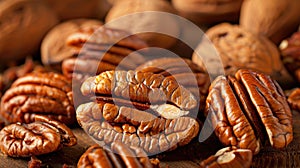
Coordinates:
<point>185,72</point>
<point>247,108</point>
<point>37,138</point>
<point>120,155</point>
<point>140,109</point>
<point>294,99</point>
<point>229,157</point>
<point>100,49</point>
<point>47,94</point>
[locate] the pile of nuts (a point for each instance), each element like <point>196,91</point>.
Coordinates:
<point>122,72</point>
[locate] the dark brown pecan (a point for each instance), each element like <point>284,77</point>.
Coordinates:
<point>39,137</point>
<point>229,157</point>
<point>185,72</point>
<point>100,49</point>
<point>47,94</point>
<point>290,51</point>
<point>140,109</point>
<point>120,155</point>
<point>294,99</point>
<point>247,108</point>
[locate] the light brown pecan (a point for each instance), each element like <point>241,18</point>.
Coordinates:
<point>185,72</point>
<point>229,157</point>
<point>100,49</point>
<point>39,137</point>
<point>120,155</point>
<point>294,99</point>
<point>248,108</point>
<point>47,94</point>
<point>140,109</point>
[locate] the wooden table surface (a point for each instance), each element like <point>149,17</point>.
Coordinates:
<point>185,157</point>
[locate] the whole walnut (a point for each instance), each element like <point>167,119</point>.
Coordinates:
<point>24,23</point>
<point>237,48</point>
<point>249,109</point>
<point>276,19</point>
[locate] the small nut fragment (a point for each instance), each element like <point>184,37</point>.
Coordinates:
<point>229,157</point>
<point>247,108</point>
<point>120,155</point>
<point>40,137</point>
<point>47,94</point>
<point>34,163</point>
<point>294,99</point>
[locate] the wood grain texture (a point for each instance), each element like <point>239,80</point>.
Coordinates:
<point>185,157</point>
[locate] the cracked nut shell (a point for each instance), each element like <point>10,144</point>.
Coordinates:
<point>120,154</point>
<point>39,137</point>
<point>229,157</point>
<point>48,94</point>
<point>140,109</point>
<point>248,109</point>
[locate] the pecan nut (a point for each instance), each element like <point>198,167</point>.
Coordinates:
<point>100,49</point>
<point>294,99</point>
<point>248,108</point>
<point>37,138</point>
<point>119,155</point>
<point>186,73</point>
<point>229,157</point>
<point>47,94</point>
<point>290,51</point>
<point>140,109</point>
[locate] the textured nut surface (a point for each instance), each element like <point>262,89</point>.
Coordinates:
<point>239,48</point>
<point>247,109</point>
<point>71,9</point>
<point>185,72</point>
<point>24,24</point>
<point>290,51</point>
<point>294,99</point>
<point>54,48</point>
<point>47,94</point>
<point>129,15</point>
<point>229,157</point>
<point>275,19</point>
<point>140,109</point>
<point>37,138</point>
<point>100,49</point>
<point>118,156</point>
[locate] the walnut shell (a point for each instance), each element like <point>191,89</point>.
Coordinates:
<point>276,19</point>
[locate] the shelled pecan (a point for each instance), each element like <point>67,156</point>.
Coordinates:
<point>100,49</point>
<point>47,94</point>
<point>39,137</point>
<point>294,99</point>
<point>229,157</point>
<point>290,51</point>
<point>185,72</point>
<point>118,156</point>
<point>248,108</point>
<point>140,109</point>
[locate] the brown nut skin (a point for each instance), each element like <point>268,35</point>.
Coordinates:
<point>239,48</point>
<point>40,137</point>
<point>47,94</point>
<point>100,49</point>
<point>151,23</point>
<point>24,24</point>
<point>275,19</point>
<point>119,155</point>
<point>229,157</point>
<point>54,48</point>
<point>185,72</point>
<point>248,108</point>
<point>294,99</point>
<point>290,52</point>
<point>72,9</point>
